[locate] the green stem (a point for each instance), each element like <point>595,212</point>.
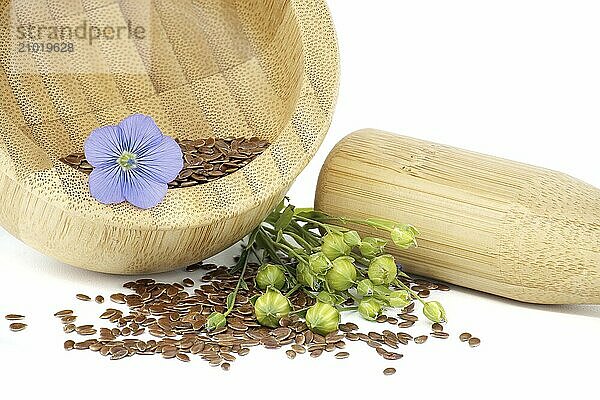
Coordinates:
<point>362,260</point>
<point>290,251</point>
<point>361,273</point>
<point>295,288</point>
<point>300,310</point>
<point>305,245</point>
<point>309,236</point>
<point>356,299</point>
<point>288,246</point>
<point>352,308</point>
<point>239,284</point>
<point>368,223</point>
<point>260,259</point>
<point>243,261</point>
<point>271,250</point>
<point>345,221</point>
<point>327,227</point>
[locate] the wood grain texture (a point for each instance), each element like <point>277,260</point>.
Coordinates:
<point>489,224</point>
<point>208,68</point>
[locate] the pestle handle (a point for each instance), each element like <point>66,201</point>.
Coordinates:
<point>489,224</point>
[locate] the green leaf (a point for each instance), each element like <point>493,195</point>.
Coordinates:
<point>279,238</point>
<point>285,218</point>
<point>311,213</point>
<point>280,206</point>
<point>243,284</point>
<point>230,300</point>
<point>274,216</point>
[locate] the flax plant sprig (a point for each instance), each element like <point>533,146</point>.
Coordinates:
<point>304,249</point>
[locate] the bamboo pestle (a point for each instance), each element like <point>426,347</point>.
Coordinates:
<point>489,224</point>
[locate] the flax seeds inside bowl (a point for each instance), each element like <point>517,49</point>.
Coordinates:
<point>204,160</point>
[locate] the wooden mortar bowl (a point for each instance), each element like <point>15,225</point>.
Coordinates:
<point>207,68</point>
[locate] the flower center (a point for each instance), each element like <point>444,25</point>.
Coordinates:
<point>127,161</point>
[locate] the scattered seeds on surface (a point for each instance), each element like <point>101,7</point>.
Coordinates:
<point>67,319</point>
<point>291,354</point>
<point>440,335</point>
<point>192,268</point>
<point>17,326</point>
<point>174,315</point>
<point>118,298</point>
<point>14,317</point>
<point>63,313</point>
<point>316,353</point>
<point>421,339</point>
<point>465,336</point>
<point>474,342</point>
<point>437,327</point>
<point>389,371</point>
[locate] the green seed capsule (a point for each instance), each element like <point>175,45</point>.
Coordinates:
<point>334,246</point>
<point>330,298</point>
<point>383,270</point>
<point>306,277</point>
<point>434,311</point>
<point>369,309</point>
<point>352,238</point>
<point>271,307</point>
<point>404,236</point>
<point>342,274</point>
<point>270,275</point>
<point>319,263</point>
<point>365,288</point>
<point>323,318</point>
<point>399,299</point>
<point>372,247</point>
<point>381,291</point>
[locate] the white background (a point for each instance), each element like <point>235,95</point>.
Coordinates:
<point>513,78</point>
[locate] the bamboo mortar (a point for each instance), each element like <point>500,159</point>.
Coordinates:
<point>489,224</point>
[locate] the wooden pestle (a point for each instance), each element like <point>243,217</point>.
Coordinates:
<point>489,224</point>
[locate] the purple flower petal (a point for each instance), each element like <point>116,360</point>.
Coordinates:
<point>133,161</point>
<point>106,185</point>
<point>143,193</point>
<point>141,132</point>
<point>163,162</point>
<point>104,146</point>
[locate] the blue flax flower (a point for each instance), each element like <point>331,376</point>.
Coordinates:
<point>132,162</point>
